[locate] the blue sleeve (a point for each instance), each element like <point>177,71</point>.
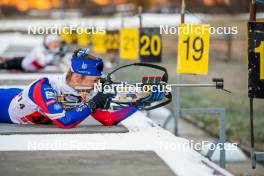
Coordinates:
<point>45,97</point>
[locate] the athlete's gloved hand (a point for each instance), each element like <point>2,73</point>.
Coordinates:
<point>154,95</point>
<point>100,101</point>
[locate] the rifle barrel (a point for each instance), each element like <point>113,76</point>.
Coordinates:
<point>193,85</point>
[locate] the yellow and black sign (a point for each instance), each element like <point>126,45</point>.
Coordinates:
<point>193,49</point>
<point>68,35</point>
<point>112,40</point>
<point>260,50</point>
<point>150,45</point>
<point>129,43</point>
<point>99,45</point>
<point>256,59</point>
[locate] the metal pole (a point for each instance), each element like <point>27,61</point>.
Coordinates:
<point>252,11</point>
<point>252,140</point>
<point>251,122</point>
<point>122,25</point>
<point>222,137</point>
<point>176,108</point>
<point>183,7</point>
<point>177,111</point>
<point>229,47</point>
<point>140,17</point>
<point>140,30</point>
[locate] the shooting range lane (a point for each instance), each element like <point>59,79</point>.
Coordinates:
<point>21,80</point>
<point>89,126</point>
<point>143,135</point>
<point>24,76</point>
<point>118,163</point>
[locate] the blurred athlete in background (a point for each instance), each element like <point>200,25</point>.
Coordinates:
<point>52,52</point>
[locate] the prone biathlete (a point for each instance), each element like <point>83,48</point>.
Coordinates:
<point>38,103</point>
<point>52,52</point>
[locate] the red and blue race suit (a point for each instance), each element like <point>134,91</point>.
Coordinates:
<point>37,104</point>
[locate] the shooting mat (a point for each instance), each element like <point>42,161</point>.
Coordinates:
<point>89,126</point>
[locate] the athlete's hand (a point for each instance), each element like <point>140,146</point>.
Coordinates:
<point>100,101</point>
<point>154,95</point>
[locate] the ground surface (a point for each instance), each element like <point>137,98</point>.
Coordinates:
<point>82,163</point>
<point>143,135</point>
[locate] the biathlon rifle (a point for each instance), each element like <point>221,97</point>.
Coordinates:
<point>122,96</point>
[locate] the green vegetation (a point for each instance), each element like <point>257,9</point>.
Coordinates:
<point>236,104</point>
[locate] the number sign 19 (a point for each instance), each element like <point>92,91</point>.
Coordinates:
<point>193,49</point>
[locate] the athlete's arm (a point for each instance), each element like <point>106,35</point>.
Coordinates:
<point>109,118</point>
<point>44,96</point>
<point>46,59</point>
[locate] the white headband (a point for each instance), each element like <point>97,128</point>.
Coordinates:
<point>51,38</point>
